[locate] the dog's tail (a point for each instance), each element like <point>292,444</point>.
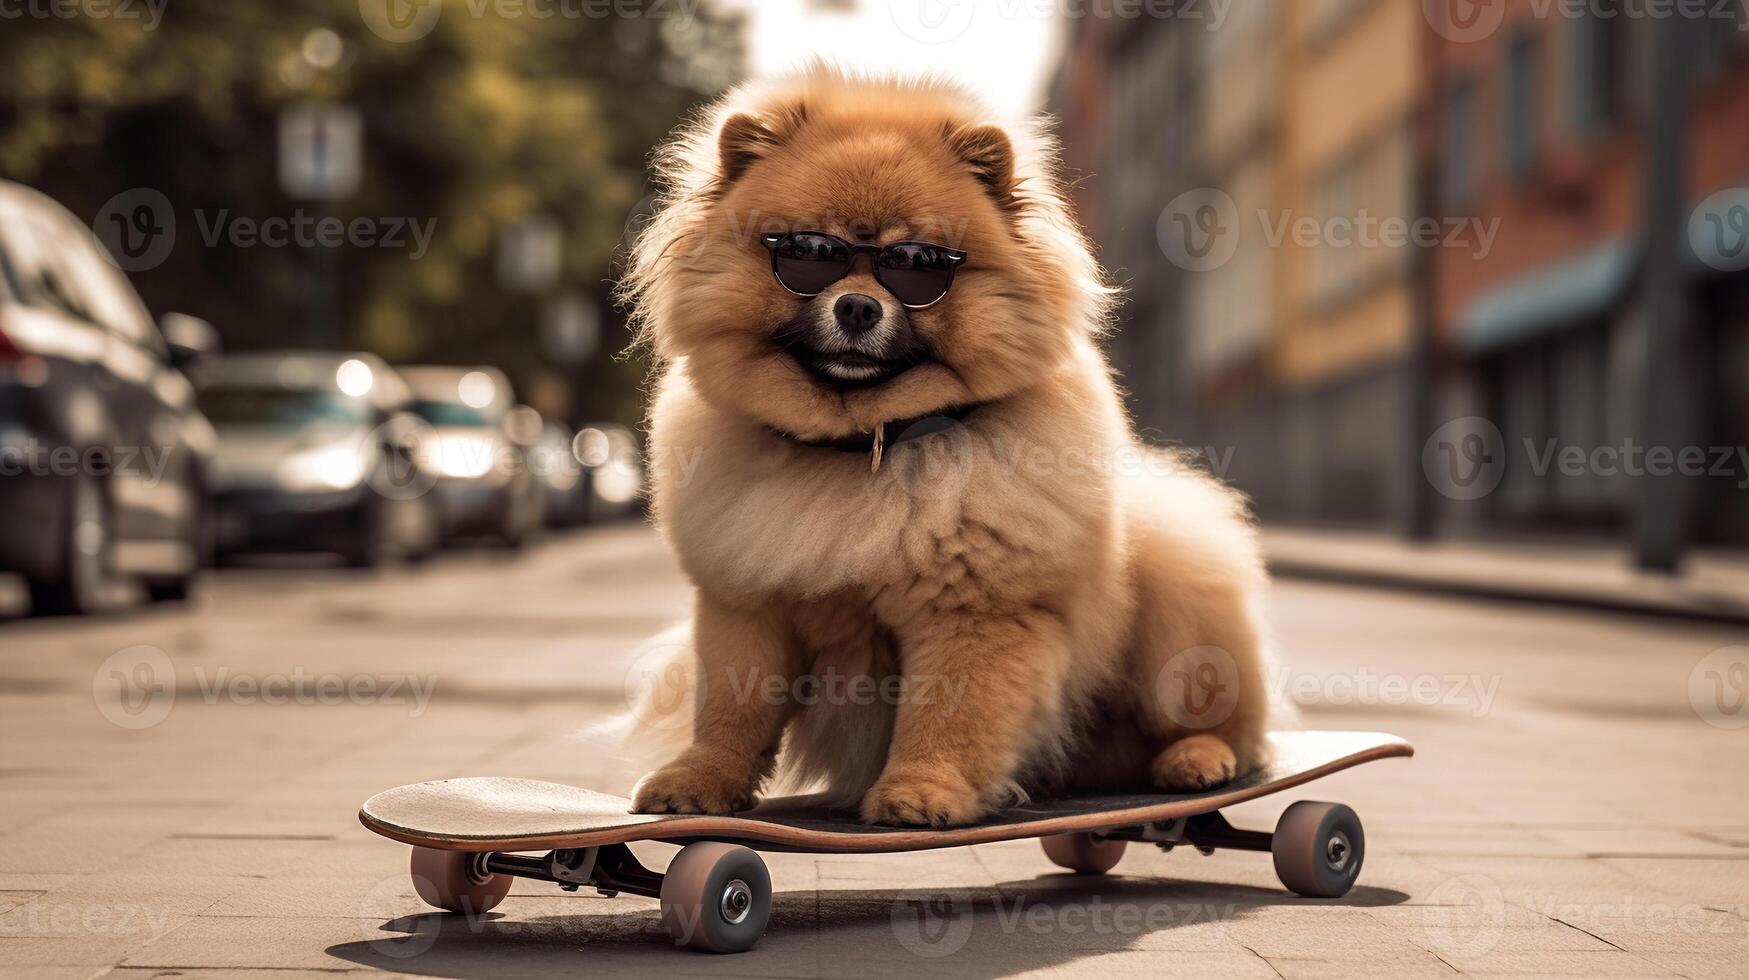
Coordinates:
<point>661,683</point>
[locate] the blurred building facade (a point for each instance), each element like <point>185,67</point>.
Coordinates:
<point>1429,224</point>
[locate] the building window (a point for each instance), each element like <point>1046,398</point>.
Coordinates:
<point>1722,42</point>
<point>1596,96</point>
<point>1458,123</point>
<point>1523,101</point>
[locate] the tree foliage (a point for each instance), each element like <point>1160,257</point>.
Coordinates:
<point>498,113</point>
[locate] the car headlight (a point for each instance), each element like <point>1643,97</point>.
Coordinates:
<point>464,457</point>
<point>340,467</point>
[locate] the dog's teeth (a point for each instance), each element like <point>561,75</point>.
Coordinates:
<point>850,372</point>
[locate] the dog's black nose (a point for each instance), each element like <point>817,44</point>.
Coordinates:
<point>857,313</point>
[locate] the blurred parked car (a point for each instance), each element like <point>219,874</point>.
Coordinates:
<point>554,463</point>
<point>613,469</point>
<point>479,449</point>
<point>103,453</point>
<point>318,451</point>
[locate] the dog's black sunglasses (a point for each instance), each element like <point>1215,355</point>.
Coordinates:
<point>918,274</point>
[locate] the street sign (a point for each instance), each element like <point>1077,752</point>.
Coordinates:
<point>321,152</point>
<point>528,254</point>
<point>571,329</point>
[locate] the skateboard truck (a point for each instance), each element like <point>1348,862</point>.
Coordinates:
<point>1207,832</point>
<point>609,869</point>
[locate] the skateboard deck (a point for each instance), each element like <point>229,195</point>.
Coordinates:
<point>499,814</point>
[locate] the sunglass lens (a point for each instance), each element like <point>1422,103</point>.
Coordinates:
<point>808,264</point>
<point>915,274</point>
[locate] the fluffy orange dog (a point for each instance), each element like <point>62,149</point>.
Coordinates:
<point>935,570</point>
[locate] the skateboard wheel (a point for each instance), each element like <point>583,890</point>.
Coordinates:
<point>716,897</point>
<point>1318,849</point>
<point>453,881</point>
<point>1083,853</point>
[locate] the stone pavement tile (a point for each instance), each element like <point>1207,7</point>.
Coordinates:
<point>31,851</point>
<point>268,942</point>
<point>10,900</point>
<point>1714,882</point>
<point>1637,841</point>
<point>1402,964</point>
<point>1727,963</point>
<point>1315,931</point>
<point>1479,840</point>
<point>67,972</point>
<point>36,882</point>
<point>1480,929</point>
<point>136,973</point>
<point>1609,963</point>
<point>108,914</point>
<point>1534,881</point>
<point>450,946</point>
<point>951,866</point>
<point>1138,963</point>
<point>27,954</point>
<point>285,896</point>
<point>1642,927</point>
<point>245,857</point>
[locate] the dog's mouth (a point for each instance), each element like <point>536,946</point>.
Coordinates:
<point>850,369</point>
<point>848,363</point>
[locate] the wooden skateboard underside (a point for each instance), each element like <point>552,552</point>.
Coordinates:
<point>497,814</point>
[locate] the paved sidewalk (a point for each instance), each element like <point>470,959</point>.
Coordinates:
<point>1569,811</point>
<point>1714,586</point>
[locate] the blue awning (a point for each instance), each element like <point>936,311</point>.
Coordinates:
<point>1558,295</point>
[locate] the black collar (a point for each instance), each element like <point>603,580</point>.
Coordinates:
<point>888,434</point>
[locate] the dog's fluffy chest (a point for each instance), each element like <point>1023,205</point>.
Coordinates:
<point>942,523</point>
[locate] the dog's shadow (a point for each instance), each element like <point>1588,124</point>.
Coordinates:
<point>1028,924</point>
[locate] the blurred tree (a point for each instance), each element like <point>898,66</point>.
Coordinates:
<point>494,114</point>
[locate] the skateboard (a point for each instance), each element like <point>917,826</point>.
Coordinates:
<point>716,893</point>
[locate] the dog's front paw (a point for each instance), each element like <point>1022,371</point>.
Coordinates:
<point>940,799</point>
<point>1194,764</point>
<point>680,787</point>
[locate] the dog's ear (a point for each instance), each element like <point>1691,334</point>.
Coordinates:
<point>987,151</point>
<point>742,140</point>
